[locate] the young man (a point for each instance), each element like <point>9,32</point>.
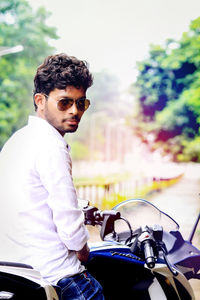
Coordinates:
<point>41,224</point>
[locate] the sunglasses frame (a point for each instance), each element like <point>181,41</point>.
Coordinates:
<point>74,101</point>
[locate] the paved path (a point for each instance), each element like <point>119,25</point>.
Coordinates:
<point>182,202</point>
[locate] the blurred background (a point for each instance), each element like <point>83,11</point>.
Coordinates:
<point>145,59</point>
<point>140,137</point>
<point>145,112</point>
<point>144,56</point>
<point>143,124</point>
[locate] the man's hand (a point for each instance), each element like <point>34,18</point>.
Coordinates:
<point>83,254</point>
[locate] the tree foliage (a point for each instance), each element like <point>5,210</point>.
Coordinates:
<point>168,95</point>
<point>20,25</point>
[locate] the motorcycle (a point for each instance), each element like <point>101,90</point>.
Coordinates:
<point>21,282</point>
<point>142,256</point>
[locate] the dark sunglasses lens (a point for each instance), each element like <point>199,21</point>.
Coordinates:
<point>83,104</point>
<point>64,104</point>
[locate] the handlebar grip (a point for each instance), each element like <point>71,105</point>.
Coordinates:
<point>112,213</point>
<point>148,254</point>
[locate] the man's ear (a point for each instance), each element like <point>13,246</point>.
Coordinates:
<point>40,101</point>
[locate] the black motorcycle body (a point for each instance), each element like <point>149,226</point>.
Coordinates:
<point>143,254</point>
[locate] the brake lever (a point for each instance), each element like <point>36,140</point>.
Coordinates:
<point>169,265</point>
<point>109,218</point>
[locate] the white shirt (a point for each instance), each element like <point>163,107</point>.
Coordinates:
<point>40,223</point>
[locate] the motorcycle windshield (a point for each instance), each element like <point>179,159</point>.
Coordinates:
<point>140,212</point>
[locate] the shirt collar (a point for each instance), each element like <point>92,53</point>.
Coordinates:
<point>43,124</point>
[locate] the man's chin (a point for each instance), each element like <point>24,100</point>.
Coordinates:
<point>70,129</point>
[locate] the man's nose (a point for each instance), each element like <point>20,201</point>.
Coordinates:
<point>73,109</point>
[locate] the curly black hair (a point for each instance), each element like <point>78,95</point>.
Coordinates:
<point>59,71</point>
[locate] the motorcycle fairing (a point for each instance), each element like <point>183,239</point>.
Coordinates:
<point>113,252</point>
<point>175,287</point>
<point>155,291</point>
<point>121,273</point>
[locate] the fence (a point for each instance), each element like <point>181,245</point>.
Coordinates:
<point>108,194</point>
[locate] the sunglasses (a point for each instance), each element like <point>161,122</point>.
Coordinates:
<point>82,104</point>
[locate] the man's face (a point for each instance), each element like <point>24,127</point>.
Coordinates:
<point>63,121</point>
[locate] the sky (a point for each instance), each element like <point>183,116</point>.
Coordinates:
<point>115,34</point>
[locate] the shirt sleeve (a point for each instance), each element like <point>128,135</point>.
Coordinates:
<point>54,168</point>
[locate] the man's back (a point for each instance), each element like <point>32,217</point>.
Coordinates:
<point>31,160</point>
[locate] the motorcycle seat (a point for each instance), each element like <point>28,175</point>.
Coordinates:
<point>15,264</point>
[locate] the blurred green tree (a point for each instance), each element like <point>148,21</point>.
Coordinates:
<point>168,95</point>
<point>19,24</point>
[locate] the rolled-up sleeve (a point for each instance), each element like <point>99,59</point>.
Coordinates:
<point>53,165</point>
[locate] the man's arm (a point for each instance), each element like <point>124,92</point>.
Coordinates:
<point>54,169</point>
<point>83,254</point>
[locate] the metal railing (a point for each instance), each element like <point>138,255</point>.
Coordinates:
<point>107,194</point>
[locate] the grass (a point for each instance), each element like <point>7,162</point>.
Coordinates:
<point>101,180</point>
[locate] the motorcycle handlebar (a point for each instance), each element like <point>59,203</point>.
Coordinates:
<point>93,216</point>
<point>149,254</point>
<point>146,241</point>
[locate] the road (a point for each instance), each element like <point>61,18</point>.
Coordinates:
<point>182,200</point>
